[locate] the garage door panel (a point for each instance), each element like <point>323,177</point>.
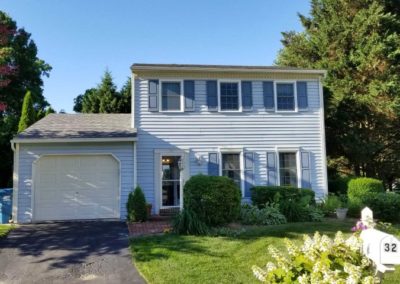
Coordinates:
<point>76,187</point>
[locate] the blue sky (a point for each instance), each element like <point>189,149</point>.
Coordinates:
<point>81,38</point>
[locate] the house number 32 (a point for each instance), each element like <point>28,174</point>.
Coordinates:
<point>390,247</point>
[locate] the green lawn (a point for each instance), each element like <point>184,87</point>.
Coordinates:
<point>192,259</point>
<point>4,229</point>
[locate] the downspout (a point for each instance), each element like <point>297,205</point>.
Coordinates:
<point>134,166</point>
<point>14,212</point>
<point>323,137</point>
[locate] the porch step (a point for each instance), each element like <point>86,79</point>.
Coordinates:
<point>169,212</point>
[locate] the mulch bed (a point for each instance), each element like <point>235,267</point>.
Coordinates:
<point>155,225</point>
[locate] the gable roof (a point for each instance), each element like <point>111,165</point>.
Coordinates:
<point>224,68</point>
<point>79,126</point>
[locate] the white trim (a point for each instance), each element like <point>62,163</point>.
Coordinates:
<point>139,67</point>
<point>182,97</point>
<point>133,100</point>
<point>159,153</point>
<point>15,184</point>
<point>294,82</point>
<point>323,141</point>
<point>239,82</point>
<point>134,166</point>
<point>34,165</point>
<point>72,140</point>
<point>294,150</point>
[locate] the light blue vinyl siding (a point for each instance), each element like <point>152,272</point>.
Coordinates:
<point>29,153</point>
<point>202,131</point>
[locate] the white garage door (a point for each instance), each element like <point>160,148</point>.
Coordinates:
<point>76,187</point>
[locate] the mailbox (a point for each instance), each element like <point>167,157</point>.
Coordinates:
<point>382,248</point>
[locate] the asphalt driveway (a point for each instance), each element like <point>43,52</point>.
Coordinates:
<point>68,252</point>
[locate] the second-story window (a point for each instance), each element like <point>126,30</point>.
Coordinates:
<point>285,96</point>
<point>229,96</point>
<point>171,96</point>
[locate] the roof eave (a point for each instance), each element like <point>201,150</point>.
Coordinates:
<point>136,68</point>
<point>72,140</point>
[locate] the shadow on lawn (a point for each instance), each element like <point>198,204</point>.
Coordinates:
<point>161,247</point>
<point>294,230</point>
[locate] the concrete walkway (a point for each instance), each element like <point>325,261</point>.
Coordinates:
<point>68,252</point>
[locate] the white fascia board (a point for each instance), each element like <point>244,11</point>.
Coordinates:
<point>72,140</point>
<point>221,69</point>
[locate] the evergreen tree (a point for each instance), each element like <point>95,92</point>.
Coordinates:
<point>105,98</point>
<point>124,104</point>
<point>28,115</point>
<point>358,43</point>
<point>107,92</point>
<point>49,110</point>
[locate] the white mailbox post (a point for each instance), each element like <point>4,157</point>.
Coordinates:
<point>382,248</point>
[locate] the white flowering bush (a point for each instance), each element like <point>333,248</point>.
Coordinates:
<point>319,260</point>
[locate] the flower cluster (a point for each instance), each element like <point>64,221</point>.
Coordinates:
<point>360,226</point>
<point>318,260</point>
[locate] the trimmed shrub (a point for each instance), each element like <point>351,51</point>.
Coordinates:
<point>268,215</point>
<point>339,185</point>
<point>214,199</point>
<point>136,206</point>
<point>386,206</point>
<point>188,223</point>
<point>359,188</point>
<point>261,195</point>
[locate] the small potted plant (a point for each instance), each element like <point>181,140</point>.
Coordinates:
<point>341,210</point>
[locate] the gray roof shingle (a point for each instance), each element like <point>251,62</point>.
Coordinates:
<point>60,126</point>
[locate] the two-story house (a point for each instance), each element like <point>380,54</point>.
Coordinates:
<point>257,125</point>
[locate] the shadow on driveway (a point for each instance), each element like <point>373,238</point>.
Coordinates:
<point>68,252</point>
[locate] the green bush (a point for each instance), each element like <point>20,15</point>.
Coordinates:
<point>214,199</point>
<point>296,204</point>
<point>331,203</point>
<point>355,207</point>
<point>360,188</point>
<point>268,215</point>
<point>188,223</point>
<point>299,210</point>
<point>339,185</point>
<point>136,206</point>
<point>260,195</point>
<point>386,206</point>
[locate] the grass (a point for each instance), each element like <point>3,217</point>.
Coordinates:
<point>4,230</point>
<point>205,259</point>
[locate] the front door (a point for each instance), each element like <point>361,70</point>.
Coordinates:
<point>171,181</point>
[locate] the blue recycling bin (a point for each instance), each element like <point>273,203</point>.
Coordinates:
<point>5,205</point>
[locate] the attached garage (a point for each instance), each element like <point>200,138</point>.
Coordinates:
<point>70,187</point>
<point>74,167</point>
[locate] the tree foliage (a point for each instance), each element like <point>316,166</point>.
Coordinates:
<point>20,70</point>
<point>358,43</point>
<point>28,115</point>
<point>105,98</point>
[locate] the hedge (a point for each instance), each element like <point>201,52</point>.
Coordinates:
<point>260,195</point>
<point>360,188</point>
